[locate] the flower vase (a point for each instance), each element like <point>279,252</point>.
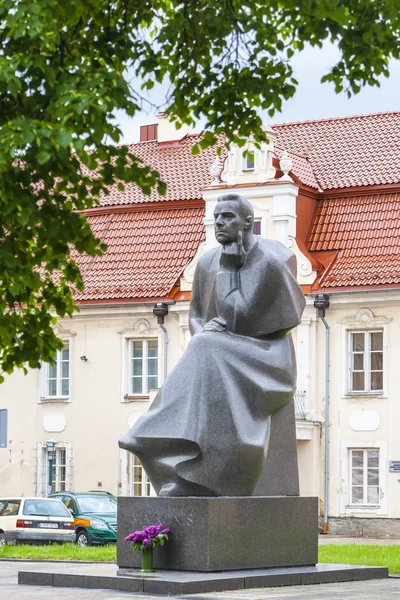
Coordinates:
<point>147,561</point>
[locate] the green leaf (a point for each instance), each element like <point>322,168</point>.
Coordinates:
<point>43,157</point>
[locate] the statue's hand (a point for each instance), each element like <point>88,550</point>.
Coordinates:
<point>233,255</point>
<point>216,324</point>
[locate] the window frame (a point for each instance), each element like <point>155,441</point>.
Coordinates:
<point>258,221</point>
<point>144,359</point>
<point>42,469</point>
<point>142,481</point>
<point>345,506</point>
<point>367,391</point>
<point>127,393</point>
<point>44,377</point>
<point>365,485</point>
<point>245,161</point>
<point>57,467</point>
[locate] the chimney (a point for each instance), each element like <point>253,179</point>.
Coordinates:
<point>167,131</point>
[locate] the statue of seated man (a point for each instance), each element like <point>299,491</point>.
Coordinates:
<point>207,431</point>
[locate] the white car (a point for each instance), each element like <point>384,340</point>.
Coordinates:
<point>24,520</point>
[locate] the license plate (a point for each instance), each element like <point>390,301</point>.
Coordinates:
<point>48,525</point>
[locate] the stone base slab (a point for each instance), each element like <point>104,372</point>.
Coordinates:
<point>179,582</point>
<point>226,533</point>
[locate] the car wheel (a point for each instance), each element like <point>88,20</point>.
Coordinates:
<point>2,539</point>
<point>82,539</point>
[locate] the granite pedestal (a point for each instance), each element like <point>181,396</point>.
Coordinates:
<point>223,534</point>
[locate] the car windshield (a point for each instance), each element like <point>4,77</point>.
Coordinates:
<point>97,504</point>
<point>45,508</point>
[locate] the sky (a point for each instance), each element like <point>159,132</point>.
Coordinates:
<point>312,100</point>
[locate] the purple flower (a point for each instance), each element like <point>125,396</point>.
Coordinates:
<point>149,536</point>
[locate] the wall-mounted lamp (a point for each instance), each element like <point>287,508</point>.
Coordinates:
<point>161,309</point>
<point>51,455</point>
<point>84,357</point>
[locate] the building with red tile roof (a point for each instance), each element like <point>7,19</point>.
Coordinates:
<point>334,200</point>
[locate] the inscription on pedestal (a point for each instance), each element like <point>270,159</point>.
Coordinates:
<point>149,518</point>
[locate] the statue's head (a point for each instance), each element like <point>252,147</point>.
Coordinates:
<point>233,213</point>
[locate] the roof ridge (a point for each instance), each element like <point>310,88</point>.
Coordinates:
<point>345,118</point>
<point>140,142</point>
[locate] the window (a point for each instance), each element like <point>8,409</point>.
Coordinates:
<point>248,161</point>
<point>61,469</point>
<point>364,476</point>
<point>143,366</point>
<point>257,227</point>
<point>9,508</point>
<point>141,485</point>
<point>56,382</point>
<point>70,504</point>
<point>44,507</point>
<point>3,427</point>
<point>366,362</point>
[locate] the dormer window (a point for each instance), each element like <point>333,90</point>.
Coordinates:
<point>248,161</point>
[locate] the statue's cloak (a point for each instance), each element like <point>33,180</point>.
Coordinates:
<point>207,430</point>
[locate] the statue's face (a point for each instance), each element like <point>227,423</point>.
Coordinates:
<point>228,222</point>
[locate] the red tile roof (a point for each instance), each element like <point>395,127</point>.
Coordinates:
<point>301,167</point>
<point>147,252</point>
<point>327,154</point>
<point>349,151</point>
<point>148,249</point>
<point>366,231</point>
<point>185,174</point>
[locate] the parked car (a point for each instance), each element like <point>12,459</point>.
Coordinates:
<point>95,516</point>
<point>34,520</point>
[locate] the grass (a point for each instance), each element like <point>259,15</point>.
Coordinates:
<point>354,554</point>
<point>61,552</point>
<point>384,556</point>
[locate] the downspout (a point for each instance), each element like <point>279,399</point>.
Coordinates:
<point>321,303</point>
<point>165,349</point>
<point>327,335</point>
<point>160,311</point>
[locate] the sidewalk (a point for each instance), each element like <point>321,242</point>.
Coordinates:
<point>381,589</point>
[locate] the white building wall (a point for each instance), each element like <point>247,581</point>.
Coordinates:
<point>96,415</point>
<point>368,421</point>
